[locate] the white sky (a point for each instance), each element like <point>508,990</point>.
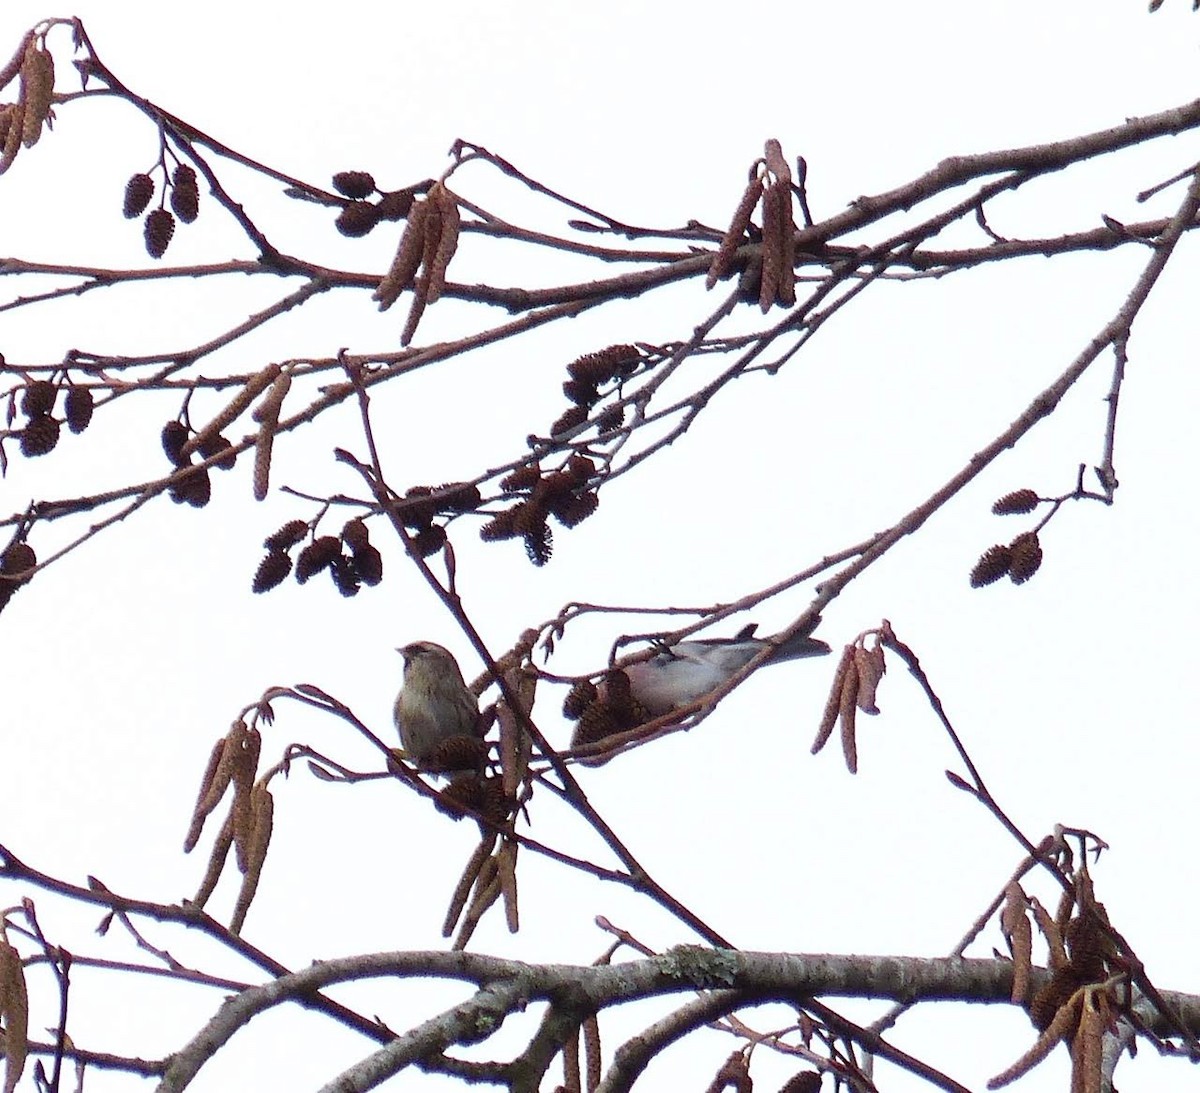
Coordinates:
<point>124,662</point>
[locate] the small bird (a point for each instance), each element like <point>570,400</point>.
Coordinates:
<point>434,705</point>
<point>684,672</point>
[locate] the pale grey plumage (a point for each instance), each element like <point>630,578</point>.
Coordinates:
<point>687,670</point>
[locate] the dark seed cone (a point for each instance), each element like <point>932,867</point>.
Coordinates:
<point>993,565</point>
<point>1089,947</point>
<point>613,362</point>
<point>580,393</point>
<point>395,205</point>
<point>17,558</point>
<point>272,571</point>
<point>595,723</point>
<point>138,192</point>
<point>619,696</point>
<point>319,554</point>
<point>355,534</point>
<point>579,698</point>
<point>523,478</point>
<point>573,509</point>
<point>807,1081</point>
<point>527,517</point>
<point>500,526</point>
<point>1018,501</point>
<point>417,510</point>
<point>194,488</point>
<point>483,796</point>
<point>612,417</point>
<point>345,578</point>
<point>580,468</point>
<point>79,406</point>
<point>214,445</point>
<point>460,497</point>
<point>174,436</point>
<point>40,435</point>
<point>368,565</point>
<point>158,229</point>
<point>569,419</point>
<point>429,540</point>
<point>539,545</point>
<point>185,193</point>
<point>287,536</point>
<point>39,398</point>
<point>357,218</point>
<point>462,796</point>
<point>355,184</point>
<point>1026,557</point>
<point>459,752</point>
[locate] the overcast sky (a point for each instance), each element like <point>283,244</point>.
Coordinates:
<point>123,663</point>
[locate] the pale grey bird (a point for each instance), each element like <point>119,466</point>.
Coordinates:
<point>434,704</point>
<point>683,672</point>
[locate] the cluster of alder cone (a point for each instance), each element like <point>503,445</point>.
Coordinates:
<point>42,429</point>
<point>1018,560</point>
<point>159,225</point>
<point>350,559</point>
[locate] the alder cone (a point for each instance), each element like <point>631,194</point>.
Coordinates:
<point>215,445</point>
<point>345,577</point>
<point>429,540</point>
<point>173,437</point>
<point>17,558</point>
<point>79,406</point>
<point>355,184</point>
<point>395,205</point>
<point>1026,557</point>
<point>316,556</point>
<point>40,435</point>
<point>994,564</point>
<point>272,571</point>
<point>539,545</point>
<point>194,488</point>
<point>185,193</point>
<point>357,218</point>
<point>1015,503</point>
<point>158,229</point>
<point>38,398</point>
<point>368,565</point>
<point>355,534</point>
<point>138,192</point>
<point>287,536</point>
<point>581,695</point>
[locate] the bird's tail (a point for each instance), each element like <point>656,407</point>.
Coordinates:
<point>800,644</point>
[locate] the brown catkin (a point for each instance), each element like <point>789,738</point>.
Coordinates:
<point>37,91</point>
<point>408,257</point>
<point>236,406</point>
<point>451,221</point>
<point>267,415</point>
<point>722,261</point>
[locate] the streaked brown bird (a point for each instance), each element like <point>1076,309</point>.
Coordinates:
<point>434,704</point>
